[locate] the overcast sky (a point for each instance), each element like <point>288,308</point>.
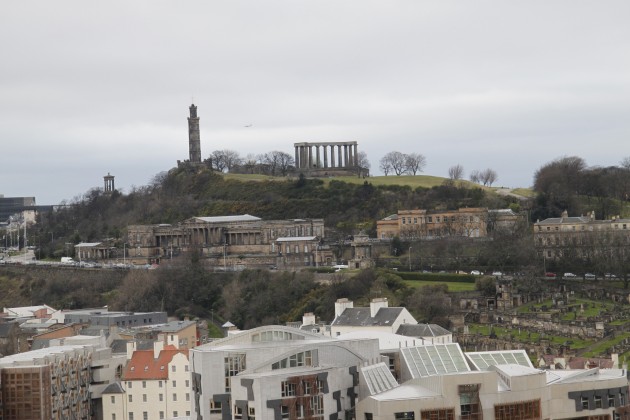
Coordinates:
<point>88,88</point>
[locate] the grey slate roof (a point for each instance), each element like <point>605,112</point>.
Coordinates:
<point>114,388</point>
<point>225,219</point>
<point>422,330</point>
<point>361,317</point>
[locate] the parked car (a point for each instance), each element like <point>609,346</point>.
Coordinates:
<point>569,276</point>
<point>590,276</point>
<point>497,273</point>
<point>475,273</point>
<point>610,276</point>
<point>550,275</point>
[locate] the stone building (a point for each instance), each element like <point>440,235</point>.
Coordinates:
<point>331,158</point>
<point>425,224</point>
<point>580,236</point>
<point>433,224</point>
<point>233,241</point>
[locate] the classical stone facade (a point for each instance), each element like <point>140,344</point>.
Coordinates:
<point>581,236</point>
<point>233,241</point>
<point>329,156</point>
<point>419,223</point>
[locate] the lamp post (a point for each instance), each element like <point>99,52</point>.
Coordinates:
<point>125,253</point>
<point>409,258</point>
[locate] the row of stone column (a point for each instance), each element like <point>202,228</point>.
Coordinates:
<point>308,156</point>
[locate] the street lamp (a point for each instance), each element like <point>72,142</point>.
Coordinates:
<point>409,258</point>
<point>124,253</point>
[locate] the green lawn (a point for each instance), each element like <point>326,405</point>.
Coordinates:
<point>452,286</point>
<point>602,346</point>
<point>591,308</point>
<point>525,336</point>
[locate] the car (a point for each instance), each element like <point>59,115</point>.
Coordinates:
<point>590,276</point>
<point>497,273</point>
<point>475,273</point>
<point>550,275</point>
<point>610,276</point>
<point>569,276</point>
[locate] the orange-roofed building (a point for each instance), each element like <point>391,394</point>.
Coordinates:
<point>154,385</point>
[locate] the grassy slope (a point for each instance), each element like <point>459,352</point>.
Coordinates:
<point>424,181</point>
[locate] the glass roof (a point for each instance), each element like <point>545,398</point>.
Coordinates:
<point>379,378</point>
<point>434,360</point>
<point>482,360</point>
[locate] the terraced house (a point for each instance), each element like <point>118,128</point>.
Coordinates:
<point>582,237</point>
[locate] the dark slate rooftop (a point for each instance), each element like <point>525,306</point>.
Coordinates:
<point>114,388</point>
<point>360,317</point>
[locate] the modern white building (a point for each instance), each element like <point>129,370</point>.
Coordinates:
<point>441,382</point>
<point>276,372</point>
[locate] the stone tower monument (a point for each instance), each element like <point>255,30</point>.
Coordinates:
<point>194,142</point>
<point>109,183</point>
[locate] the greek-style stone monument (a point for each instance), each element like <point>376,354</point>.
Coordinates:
<point>330,157</point>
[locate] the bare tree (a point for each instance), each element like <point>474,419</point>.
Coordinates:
<point>363,164</point>
<point>488,177</point>
<point>456,172</point>
<point>625,163</point>
<point>414,163</point>
<point>226,159</point>
<point>277,162</point>
<point>385,165</point>
<point>250,162</point>
<point>393,162</point>
<point>475,176</point>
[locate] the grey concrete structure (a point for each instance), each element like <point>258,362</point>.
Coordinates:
<point>316,155</point>
<point>194,138</point>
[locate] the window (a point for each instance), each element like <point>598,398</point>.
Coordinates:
<point>160,382</point>
<point>187,383</point>
<point>238,412</point>
<point>173,368</point>
<point>444,414</point>
<point>215,407</point>
<point>598,401</point>
<point>161,397</point>
<point>187,396</point>
<point>186,368</point>
<point>521,410</point>
<point>233,364</point>
<point>368,416</point>
<point>284,411</point>
<point>113,399</point>
<point>130,398</point>
<point>287,389</point>
<point>308,388</point>
<point>113,416</point>
<point>145,415</point>
<point>144,397</point>
<point>317,405</point>
<point>174,413</point>
<point>622,400</point>
<point>174,396</point>
<point>161,415</point>
<point>584,402</point>
<point>144,384</point>
<point>437,219</point>
<point>174,384</point>
<point>130,415</point>
<point>406,415</point>
<point>130,383</point>
<point>611,400</point>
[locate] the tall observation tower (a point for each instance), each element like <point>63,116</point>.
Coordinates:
<point>194,142</point>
